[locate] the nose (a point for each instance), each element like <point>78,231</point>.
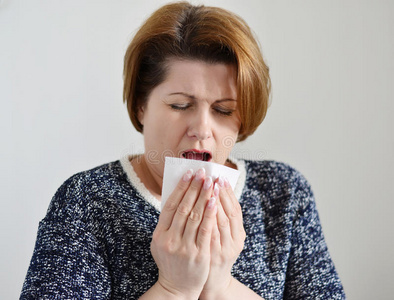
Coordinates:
<point>200,125</point>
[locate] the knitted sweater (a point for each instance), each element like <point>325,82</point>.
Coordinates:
<point>94,242</point>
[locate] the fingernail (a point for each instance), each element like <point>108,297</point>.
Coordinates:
<point>216,190</point>
<point>188,175</point>
<point>221,181</point>
<point>211,202</point>
<point>226,183</point>
<point>200,174</point>
<point>207,183</point>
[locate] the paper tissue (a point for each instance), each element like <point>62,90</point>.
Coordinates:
<point>175,168</point>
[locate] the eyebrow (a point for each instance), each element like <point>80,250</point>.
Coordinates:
<point>192,97</point>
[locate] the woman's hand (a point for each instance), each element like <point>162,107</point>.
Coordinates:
<point>181,241</point>
<point>227,242</point>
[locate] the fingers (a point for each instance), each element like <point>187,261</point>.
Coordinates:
<point>185,206</point>
<point>192,215</point>
<point>197,213</point>
<point>173,201</point>
<point>204,234</point>
<point>215,237</point>
<point>231,215</point>
<point>223,225</point>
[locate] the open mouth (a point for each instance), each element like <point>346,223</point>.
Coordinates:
<point>197,155</point>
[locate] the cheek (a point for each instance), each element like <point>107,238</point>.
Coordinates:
<point>156,123</point>
<point>227,143</point>
<point>231,128</point>
<point>228,136</point>
<point>165,129</point>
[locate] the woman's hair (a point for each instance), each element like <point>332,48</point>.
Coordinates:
<point>209,34</point>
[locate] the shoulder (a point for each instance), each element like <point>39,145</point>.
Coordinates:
<point>91,180</point>
<point>277,182</point>
<point>78,192</point>
<point>269,171</point>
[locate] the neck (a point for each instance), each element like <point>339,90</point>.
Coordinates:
<point>152,181</point>
<point>230,164</point>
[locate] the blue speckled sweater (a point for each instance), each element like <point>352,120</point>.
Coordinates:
<point>94,242</point>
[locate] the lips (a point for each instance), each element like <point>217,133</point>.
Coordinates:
<point>197,155</point>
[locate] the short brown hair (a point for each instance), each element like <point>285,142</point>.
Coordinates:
<point>210,34</point>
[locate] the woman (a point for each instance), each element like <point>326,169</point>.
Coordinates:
<point>195,83</point>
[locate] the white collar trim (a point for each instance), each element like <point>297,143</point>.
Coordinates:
<point>137,184</point>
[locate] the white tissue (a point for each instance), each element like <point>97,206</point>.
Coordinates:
<point>175,168</point>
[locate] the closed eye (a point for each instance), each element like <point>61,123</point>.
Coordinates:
<point>180,106</point>
<point>224,112</point>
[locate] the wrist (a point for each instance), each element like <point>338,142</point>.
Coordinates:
<point>220,292</point>
<point>176,294</point>
<point>235,290</point>
<point>160,292</point>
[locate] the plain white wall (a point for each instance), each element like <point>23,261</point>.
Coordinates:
<point>331,116</point>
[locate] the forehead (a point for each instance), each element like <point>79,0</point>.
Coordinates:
<point>202,79</point>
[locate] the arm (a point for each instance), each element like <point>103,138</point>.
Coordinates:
<point>311,273</point>
<point>66,262</point>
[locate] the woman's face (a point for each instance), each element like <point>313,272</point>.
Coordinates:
<point>192,114</point>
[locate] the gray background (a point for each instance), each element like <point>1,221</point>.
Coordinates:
<point>331,116</point>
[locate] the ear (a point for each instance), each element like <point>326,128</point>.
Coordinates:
<point>140,114</point>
